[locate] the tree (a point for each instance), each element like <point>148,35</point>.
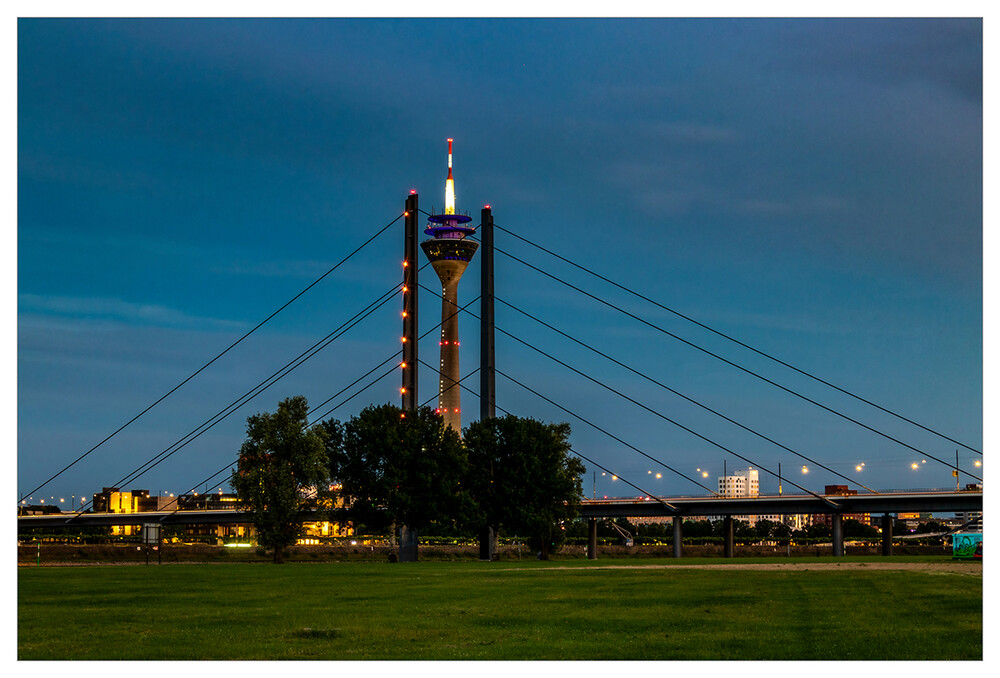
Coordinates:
<point>764,529</point>
<point>522,478</point>
<point>743,532</point>
<point>931,526</point>
<point>398,467</point>
<point>283,469</point>
<point>781,531</point>
<point>855,529</point>
<point>819,531</point>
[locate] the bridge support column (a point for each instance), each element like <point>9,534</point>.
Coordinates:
<point>407,545</point>
<point>487,544</point>
<point>886,535</point>
<point>727,537</point>
<point>838,535</point>
<point>592,539</point>
<point>677,536</point>
<point>410,286</point>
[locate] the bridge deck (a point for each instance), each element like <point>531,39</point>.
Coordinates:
<point>597,508</point>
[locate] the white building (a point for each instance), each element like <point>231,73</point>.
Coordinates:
<point>740,484</point>
<point>745,483</point>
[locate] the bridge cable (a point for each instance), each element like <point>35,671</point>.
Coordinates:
<point>739,367</point>
<point>200,369</point>
<point>367,311</point>
<point>635,402</point>
<point>345,401</point>
<point>736,454</point>
<point>589,461</point>
<point>734,340</point>
<point>393,355</point>
<point>664,386</point>
<point>276,376</point>
<point>259,388</point>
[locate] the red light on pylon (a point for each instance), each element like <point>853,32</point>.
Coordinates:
<point>413,191</point>
<point>486,206</point>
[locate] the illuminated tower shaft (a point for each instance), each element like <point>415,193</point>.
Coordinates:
<point>449,253</point>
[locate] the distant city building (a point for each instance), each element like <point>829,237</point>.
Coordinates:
<point>115,500</point>
<point>840,491</point>
<point>745,483</point>
<point>740,484</point>
<point>796,521</point>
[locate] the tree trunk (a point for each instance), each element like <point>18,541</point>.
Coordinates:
<point>278,560</point>
<point>545,548</point>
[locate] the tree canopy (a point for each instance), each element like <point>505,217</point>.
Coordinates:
<point>398,467</point>
<point>282,469</point>
<point>522,478</point>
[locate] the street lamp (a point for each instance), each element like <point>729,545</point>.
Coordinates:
<point>805,469</point>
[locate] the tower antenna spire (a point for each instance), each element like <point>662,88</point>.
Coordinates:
<point>449,187</point>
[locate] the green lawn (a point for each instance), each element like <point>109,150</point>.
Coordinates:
<point>508,610</point>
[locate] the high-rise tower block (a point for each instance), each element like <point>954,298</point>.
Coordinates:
<point>449,253</point>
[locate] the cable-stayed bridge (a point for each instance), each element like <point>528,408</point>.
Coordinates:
<point>641,314</point>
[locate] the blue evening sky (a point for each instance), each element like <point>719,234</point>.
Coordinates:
<point>811,187</point>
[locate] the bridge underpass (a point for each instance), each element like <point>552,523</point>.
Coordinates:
<point>677,508</point>
<point>836,506</point>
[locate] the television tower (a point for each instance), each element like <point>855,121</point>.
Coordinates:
<point>449,253</point>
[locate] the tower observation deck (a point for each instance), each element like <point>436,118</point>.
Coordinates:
<point>449,253</point>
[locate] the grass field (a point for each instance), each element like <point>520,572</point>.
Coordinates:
<point>508,610</point>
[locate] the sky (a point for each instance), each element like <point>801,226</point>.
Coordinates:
<point>811,187</point>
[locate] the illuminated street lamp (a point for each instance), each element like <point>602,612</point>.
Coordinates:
<point>914,466</point>
<point>805,469</point>
<point>977,463</point>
